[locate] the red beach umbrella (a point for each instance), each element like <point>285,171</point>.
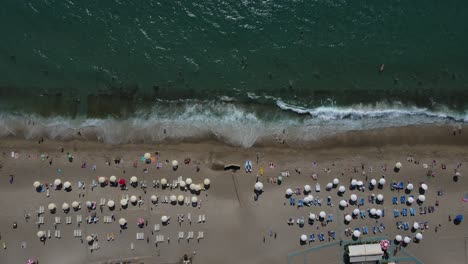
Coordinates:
<point>140,221</point>
<point>122,181</point>
<point>385,244</point>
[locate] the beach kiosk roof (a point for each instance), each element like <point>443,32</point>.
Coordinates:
<point>365,253</point>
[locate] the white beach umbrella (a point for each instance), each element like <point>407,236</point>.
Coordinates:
<point>410,200</point>
<point>112,179</point>
<point>147,156</point>
<point>89,238</point>
<point>378,212</point>
<point>382,181</point>
<point>373,211</point>
<point>164,219</point>
<point>36,184</point>
<point>398,238</point>
<point>336,181</point>
<point>154,198</point>
<point>75,204</point>
<point>207,182</point>
<point>289,191</point>
<point>175,163</point>
<point>322,214</point>
<point>419,236</point>
<point>329,185</point>
<point>258,186</point>
<point>133,199</point>
<point>343,203</point>
<point>356,233</point>
<point>57,182</point>
<point>356,211</point>
<point>398,165</point>
<point>310,197</point>
<point>52,206</point>
<point>65,206</point>
<point>67,185</point>
<point>424,186</point>
<point>133,179</point>
<point>182,184</point>
<point>422,198</point>
<point>40,234</point>
<point>458,174</point>
<point>188,181</point>
<point>173,198</point>
<point>194,199</point>
<point>122,221</point>
<point>88,204</point>
<point>341,189</point>
<point>303,238</point>
<point>407,240</point>
<point>101,179</point>
<point>416,225</point>
<point>180,198</point>
<point>163,181</point>
<point>410,186</point>
<point>312,217</point>
<point>123,202</point>
<point>307,188</point>
<point>348,218</point>
<point>110,203</point>
<point>353,197</point>
<point>353,182</point>
<point>192,186</point>
<point>373,182</point>
<point>360,183</point>
<point>306,199</point>
<point>380,197</point>
<point>197,187</point>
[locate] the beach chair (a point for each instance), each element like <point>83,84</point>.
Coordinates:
<point>203,218</point>
<point>363,214</point>
<point>190,235</point>
<point>374,230</point>
<point>361,201</point>
<point>40,220</point>
<point>317,187</point>
<point>48,233</point>
<point>78,219</point>
<point>132,247</point>
<point>58,220</point>
<point>333,235</point>
<point>292,201</point>
<point>401,186</point>
<point>412,211</point>
<point>201,235</point>
<point>156,227</point>
<point>69,220</point>
<point>395,200</point>
<point>319,201</point>
<point>311,238</point>
<point>365,230</point>
<point>187,201</point>
<point>404,212</point>
<point>330,218</point>
<point>403,199</point>
<point>199,218</point>
<point>329,201</point>
<point>406,225</point>
<point>181,235</point>
<point>300,203</point>
<point>41,210</point>
<point>396,213</point>
<point>321,237</point>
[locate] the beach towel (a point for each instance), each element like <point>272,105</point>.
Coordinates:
<point>465,198</point>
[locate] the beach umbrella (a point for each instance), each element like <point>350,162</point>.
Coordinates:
<point>356,211</point>
<point>154,198</point>
<point>180,198</point>
<point>409,186</point>
<point>341,189</point>
<point>101,179</point>
<point>65,206</point>
<point>140,221</point>
<point>40,234</point>
<point>89,238</point>
<point>356,233</point>
<point>410,200</point>
<point>75,204</point>
<point>336,181</point>
<point>322,214</point>
<point>458,174</point>
<point>163,181</point>
<point>147,156</point>
<point>88,204</point>
<point>306,199</point>
<point>122,181</point>
<point>384,244</point>
<point>312,217</point>
<point>207,182</point>
<point>398,238</point>
<point>188,181</point>
<point>382,181</point>
<point>175,163</point>
<point>182,184</point>
<point>373,211</point>
<point>258,186</point>
<point>380,197</point>
<point>416,225</point>
<point>360,183</point>
<point>133,179</point>
<point>373,182</point>
<point>112,179</point>
<point>280,178</point>
<point>353,182</point>
<point>124,202</point>
<point>164,219</point>
<point>458,218</point>
<point>57,182</point>
<point>110,203</point>
<point>407,240</point>
<point>301,222</point>
<point>424,186</point>
<point>122,221</point>
<point>289,192</point>
<point>67,185</point>
<point>329,185</point>
<point>343,203</point>
<point>378,212</point>
<point>52,206</point>
<point>422,198</point>
<point>419,236</point>
<point>309,198</point>
<point>194,199</point>
<point>348,218</point>
<point>353,197</point>
<point>36,184</point>
<point>173,198</point>
<point>398,165</point>
<point>197,187</point>
<point>192,186</point>
<point>133,199</point>
<point>307,188</point>
<point>30,261</point>
<point>303,238</point>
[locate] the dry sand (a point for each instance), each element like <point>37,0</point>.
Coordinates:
<point>235,224</point>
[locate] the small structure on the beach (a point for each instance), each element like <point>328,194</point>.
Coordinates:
<point>233,167</point>
<point>366,253</point>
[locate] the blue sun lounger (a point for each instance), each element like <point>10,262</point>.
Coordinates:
<point>321,237</point>
<point>300,203</point>
<point>396,213</point>
<point>395,200</point>
<point>403,199</point>
<point>365,230</point>
<point>404,212</point>
<point>412,211</point>
<point>292,201</point>
<point>383,212</point>
<point>406,225</point>
<point>374,230</point>
<point>330,218</point>
<point>333,235</point>
<point>361,201</point>
<point>312,238</point>
<point>363,214</point>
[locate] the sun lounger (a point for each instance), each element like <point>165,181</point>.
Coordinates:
<point>422,210</point>
<point>330,218</point>
<point>401,185</point>
<point>190,235</point>
<point>399,224</point>
<point>132,247</point>
<point>292,201</point>
<point>41,210</point>
<point>312,238</point>
<point>300,203</point>
<point>322,237</point>
<point>156,227</point>
<point>404,212</point>
<point>403,199</point>
<point>412,211</point>
<point>58,220</point>
<point>140,236</point>
<point>79,218</point>
<point>374,230</point>
<point>396,213</point>
<point>181,235</point>
<point>201,235</point>
<point>77,233</point>
<point>57,234</point>
<point>69,220</point>
<point>365,230</point>
<point>395,200</point>
<point>317,187</point>
<point>361,201</point>
<point>102,202</point>
<point>319,201</point>
<point>333,235</point>
<point>406,225</point>
<point>48,233</point>
<point>165,199</point>
<point>40,220</point>
<point>363,214</point>
<point>203,218</point>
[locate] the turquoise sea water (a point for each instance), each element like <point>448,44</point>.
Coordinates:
<point>276,64</point>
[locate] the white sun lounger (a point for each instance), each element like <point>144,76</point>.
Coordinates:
<point>187,201</point>
<point>200,235</point>
<point>189,217</point>
<point>78,219</point>
<point>58,220</point>
<point>41,210</point>
<point>140,236</point>
<point>48,233</point>
<point>181,235</point>
<point>132,247</point>
<point>190,235</point>
<point>179,179</point>
<point>199,218</point>
<point>40,220</point>
<point>57,234</point>
<point>175,183</point>
<point>156,227</point>
<point>165,199</point>
<point>102,202</point>
<point>203,218</point>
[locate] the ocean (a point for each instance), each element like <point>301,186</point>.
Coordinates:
<point>238,71</point>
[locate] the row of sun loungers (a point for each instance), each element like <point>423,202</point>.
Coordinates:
<point>107,219</point>
<point>140,236</point>
<point>77,233</point>
<point>404,212</point>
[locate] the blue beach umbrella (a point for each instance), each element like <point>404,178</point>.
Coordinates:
<point>459,218</point>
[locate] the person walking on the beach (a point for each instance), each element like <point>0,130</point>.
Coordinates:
<point>11,179</point>
<point>275,235</point>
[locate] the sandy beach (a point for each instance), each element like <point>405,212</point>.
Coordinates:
<point>238,228</point>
